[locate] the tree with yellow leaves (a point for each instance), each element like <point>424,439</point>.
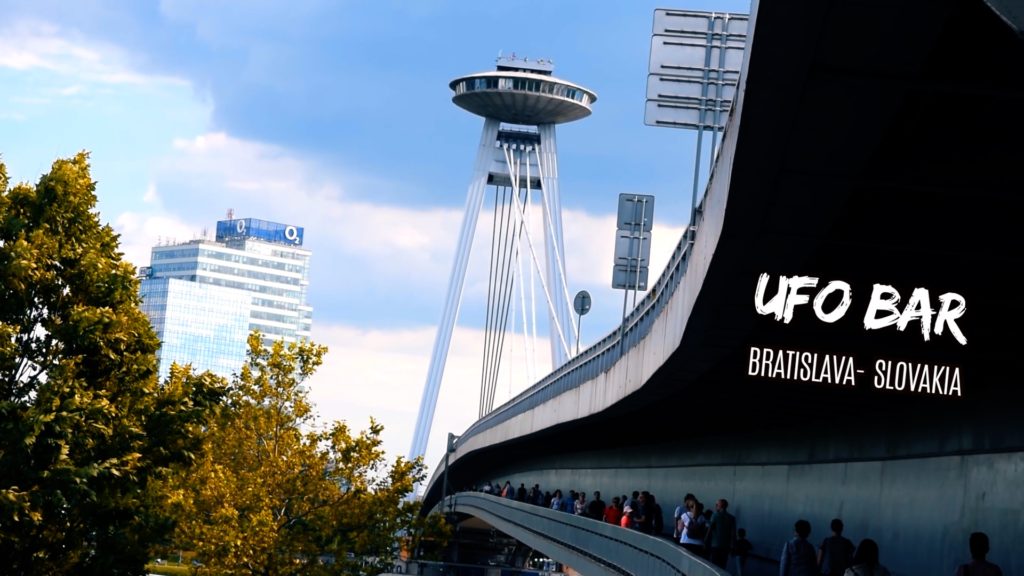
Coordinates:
<point>85,428</point>
<point>275,494</point>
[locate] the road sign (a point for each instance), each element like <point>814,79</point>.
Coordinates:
<point>582,302</point>
<point>694,68</point>
<point>633,241</point>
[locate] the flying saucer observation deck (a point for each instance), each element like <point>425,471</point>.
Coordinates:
<point>526,98</point>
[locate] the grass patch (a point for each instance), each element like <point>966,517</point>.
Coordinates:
<point>168,569</point>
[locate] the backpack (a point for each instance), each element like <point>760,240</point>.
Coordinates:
<point>696,529</point>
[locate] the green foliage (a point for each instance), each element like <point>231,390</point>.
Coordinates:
<point>429,536</point>
<point>84,425</point>
<point>168,570</point>
<point>275,493</point>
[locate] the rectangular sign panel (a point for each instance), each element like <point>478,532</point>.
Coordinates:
<point>631,247</point>
<point>682,115</point>
<point>636,212</point>
<point>694,68</point>
<point>259,230</point>
<point>674,56</point>
<point>626,278</point>
<point>678,88</point>
<point>633,241</point>
<point>694,22</point>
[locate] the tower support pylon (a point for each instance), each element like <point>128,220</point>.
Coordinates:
<point>521,102</point>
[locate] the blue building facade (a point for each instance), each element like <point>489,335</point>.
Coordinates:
<point>198,324</point>
<point>203,297</point>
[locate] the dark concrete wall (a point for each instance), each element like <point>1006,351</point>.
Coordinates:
<point>919,510</point>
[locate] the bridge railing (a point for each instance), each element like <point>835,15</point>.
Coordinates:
<point>591,546</point>
<point>605,353</point>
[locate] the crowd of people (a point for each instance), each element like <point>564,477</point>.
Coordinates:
<point>715,536</point>
<point>708,534</point>
<point>837,556</point>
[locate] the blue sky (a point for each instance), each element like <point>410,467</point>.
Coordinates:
<point>336,116</point>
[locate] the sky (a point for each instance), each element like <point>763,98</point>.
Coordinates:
<point>337,116</point>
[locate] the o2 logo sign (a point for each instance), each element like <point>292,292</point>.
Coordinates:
<point>291,233</point>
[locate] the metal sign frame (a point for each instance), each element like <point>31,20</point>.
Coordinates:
<point>694,68</point>
<point>633,241</point>
<point>694,72</point>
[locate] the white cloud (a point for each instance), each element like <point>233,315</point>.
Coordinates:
<point>71,90</point>
<point>590,243</point>
<point>140,232</point>
<point>34,44</point>
<point>378,248</point>
<point>151,196</point>
<point>249,175</point>
<point>30,100</point>
<point>381,373</point>
<point>209,142</point>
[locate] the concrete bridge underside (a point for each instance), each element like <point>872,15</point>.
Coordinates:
<point>875,144</point>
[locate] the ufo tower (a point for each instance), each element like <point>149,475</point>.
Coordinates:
<point>521,103</point>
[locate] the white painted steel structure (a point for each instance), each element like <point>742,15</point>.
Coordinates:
<point>521,102</point>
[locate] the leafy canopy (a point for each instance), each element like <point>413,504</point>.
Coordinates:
<point>277,494</point>
<point>84,426</point>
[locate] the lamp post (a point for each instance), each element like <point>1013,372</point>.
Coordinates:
<point>452,441</point>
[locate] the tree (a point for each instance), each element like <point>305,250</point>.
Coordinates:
<point>276,494</point>
<point>84,425</point>
<point>428,538</point>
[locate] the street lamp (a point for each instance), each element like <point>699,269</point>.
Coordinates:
<point>452,441</point>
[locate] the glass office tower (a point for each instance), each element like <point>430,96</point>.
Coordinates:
<point>203,297</point>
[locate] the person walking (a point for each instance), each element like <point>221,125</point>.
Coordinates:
<point>721,533</point>
<point>613,513</point>
<point>626,520</point>
<point>741,549</point>
<point>596,507</point>
<point>677,516</point>
<point>835,554</point>
<point>978,566</point>
<point>798,557</point>
<point>865,560</point>
<point>695,530</point>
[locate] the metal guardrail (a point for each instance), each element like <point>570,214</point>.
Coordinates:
<point>604,354</point>
<point>589,545</point>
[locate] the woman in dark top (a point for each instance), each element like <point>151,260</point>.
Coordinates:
<point>865,561</point>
